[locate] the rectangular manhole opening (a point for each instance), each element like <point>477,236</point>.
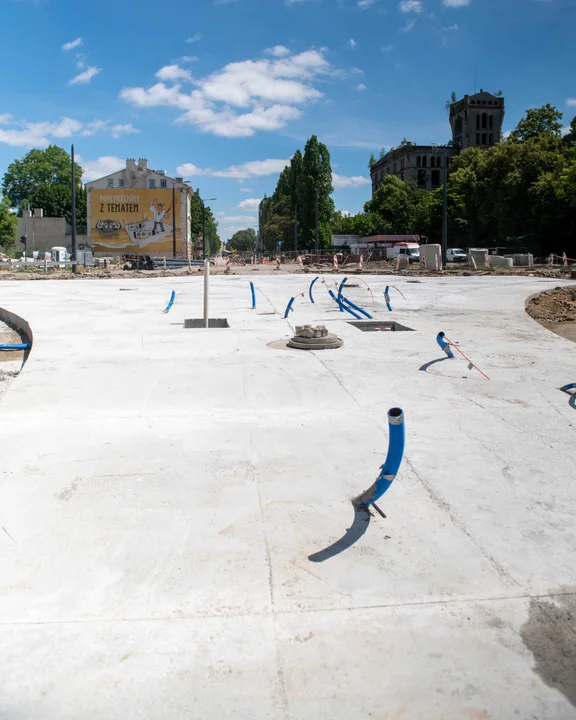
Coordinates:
<point>212,323</point>
<point>379,326</point>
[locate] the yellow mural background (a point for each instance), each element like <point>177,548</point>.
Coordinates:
<point>122,219</point>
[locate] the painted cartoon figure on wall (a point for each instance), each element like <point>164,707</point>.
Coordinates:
<point>157,210</point>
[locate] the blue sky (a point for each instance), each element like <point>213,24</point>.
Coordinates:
<point>224,91</point>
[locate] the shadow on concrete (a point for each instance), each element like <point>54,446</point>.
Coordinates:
<point>570,389</point>
<point>425,367</point>
<point>353,534</point>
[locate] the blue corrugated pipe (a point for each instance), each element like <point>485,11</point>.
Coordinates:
<point>253,295</point>
<point>359,309</point>
<point>444,345</point>
<point>387,297</point>
<point>342,306</point>
<point>288,308</point>
<point>16,346</point>
<point>341,286</point>
<point>389,470</point>
<point>310,288</point>
<point>172,298</point>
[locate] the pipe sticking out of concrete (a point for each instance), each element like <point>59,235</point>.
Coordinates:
<point>253,295</point>
<point>389,470</point>
<point>16,346</point>
<point>387,297</point>
<point>444,345</point>
<point>171,302</point>
<point>342,306</point>
<point>288,307</point>
<point>310,288</point>
<point>356,307</point>
<point>206,284</point>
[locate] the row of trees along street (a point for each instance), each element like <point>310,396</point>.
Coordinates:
<point>520,192</point>
<point>43,179</point>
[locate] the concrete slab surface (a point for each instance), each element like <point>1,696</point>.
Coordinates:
<point>169,498</point>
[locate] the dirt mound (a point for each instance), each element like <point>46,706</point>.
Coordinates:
<point>557,306</point>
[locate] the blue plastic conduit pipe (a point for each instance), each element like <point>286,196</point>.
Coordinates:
<point>310,288</point>
<point>359,309</point>
<point>389,470</point>
<point>253,295</point>
<point>444,345</point>
<point>387,297</point>
<point>288,308</point>
<point>17,346</point>
<point>344,307</point>
<point>172,298</point>
<point>340,293</point>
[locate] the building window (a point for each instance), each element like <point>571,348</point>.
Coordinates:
<point>418,161</point>
<point>110,182</point>
<point>424,161</point>
<point>477,122</point>
<point>121,183</point>
<point>477,138</point>
<point>151,183</point>
<point>490,122</point>
<point>402,175</point>
<point>483,138</point>
<point>421,178</point>
<point>435,178</point>
<point>394,168</point>
<point>163,183</point>
<point>402,164</point>
<point>484,118</point>
<point>490,139</point>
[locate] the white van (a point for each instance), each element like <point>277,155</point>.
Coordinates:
<point>408,250</point>
<point>455,255</point>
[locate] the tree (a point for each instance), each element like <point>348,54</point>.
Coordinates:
<point>213,243</point>
<point>394,202</point>
<point>453,98</point>
<point>243,240</point>
<point>8,224</point>
<point>316,182</point>
<point>372,161</point>
<point>25,180</point>
<point>543,123</point>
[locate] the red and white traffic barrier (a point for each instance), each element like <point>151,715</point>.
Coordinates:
<point>564,260</point>
<point>335,262</point>
<point>227,263</point>
<point>300,261</point>
<point>277,262</point>
<point>361,263</point>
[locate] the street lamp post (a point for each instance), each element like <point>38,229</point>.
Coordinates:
<point>204,201</point>
<point>444,211</point>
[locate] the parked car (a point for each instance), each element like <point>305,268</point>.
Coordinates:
<point>455,255</point>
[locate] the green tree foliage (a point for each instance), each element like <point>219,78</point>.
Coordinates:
<point>243,240</point>
<point>451,100</point>
<point>213,242</point>
<point>8,224</point>
<point>372,161</point>
<point>541,123</point>
<point>26,180</point>
<point>316,182</point>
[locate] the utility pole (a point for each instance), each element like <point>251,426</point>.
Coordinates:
<point>74,246</point>
<point>444,211</point>
<point>296,228</point>
<point>316,213</point>
<point>203,230</point>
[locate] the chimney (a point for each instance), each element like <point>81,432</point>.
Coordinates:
<point>130,164</point>
<point>143,162</point>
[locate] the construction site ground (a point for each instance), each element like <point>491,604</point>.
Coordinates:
<point>171,502</point>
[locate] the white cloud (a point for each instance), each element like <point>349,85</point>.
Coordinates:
<point>41,134</point>
<point>194,38</point>
<point>250,204</point>
<point>361,87</point>
<point>105,165</point>
<point>409,25</point>
<point>571,101</point>
<point>243,189</point>
<point>456,3</point>
<point>85,77</point>
<point>565,130</point>
<point>188,58</point>
<point>414,6</point>
<point>72,44</point>
<point>278,51</point>
<point>252,169</point>
<point>174,73</point>
<point>450,28</point>
<point>249,219</point>
<point>269,90</point>
<point>118,130</point>
<point>387,48</point>
<point>342,182</point>
<point>364,4</point>
<point>352,43</point>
